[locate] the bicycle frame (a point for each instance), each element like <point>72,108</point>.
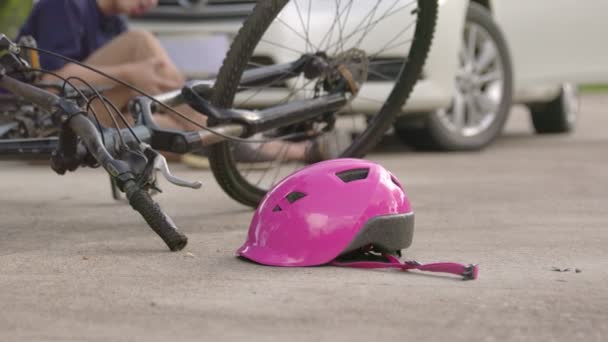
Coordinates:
<point>230,122</point>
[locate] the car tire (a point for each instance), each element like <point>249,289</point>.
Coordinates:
<point>557,116</point>
<point>435,131</point>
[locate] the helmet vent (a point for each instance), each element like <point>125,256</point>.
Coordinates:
<point>396,182</point>
<point>353,175</point>
<point>277,209</point>
<point>295,196</point>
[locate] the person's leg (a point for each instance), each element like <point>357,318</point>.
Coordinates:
<point>139,45</point>
<point>134,46</point>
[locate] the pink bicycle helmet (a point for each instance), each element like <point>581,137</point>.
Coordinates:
<point>333,211</point>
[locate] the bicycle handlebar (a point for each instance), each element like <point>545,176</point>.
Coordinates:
<point>40,97</point>
<point>139,199</point>
<point>162,224</point>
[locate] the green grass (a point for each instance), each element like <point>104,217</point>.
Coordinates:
<point>594,88</point>
<point>12,15</point>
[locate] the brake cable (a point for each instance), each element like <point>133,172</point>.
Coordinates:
<point>166,107</point>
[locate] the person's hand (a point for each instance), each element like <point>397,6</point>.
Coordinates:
<point>148,76</point>
<point>138,7</point>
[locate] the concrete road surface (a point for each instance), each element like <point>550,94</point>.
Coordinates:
<point>75,266</point>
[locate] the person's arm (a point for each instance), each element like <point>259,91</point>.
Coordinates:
<point>57,26</point>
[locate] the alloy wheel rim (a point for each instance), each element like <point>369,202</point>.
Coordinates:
<point>570,102</point>
<point>479,84</point>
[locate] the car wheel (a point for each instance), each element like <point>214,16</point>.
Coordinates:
<point>558,115</point>
<point>482,95</point>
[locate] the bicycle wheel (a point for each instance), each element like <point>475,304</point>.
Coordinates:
<point>383,44</point>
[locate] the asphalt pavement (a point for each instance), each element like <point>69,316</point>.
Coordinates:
<point>531,211</point>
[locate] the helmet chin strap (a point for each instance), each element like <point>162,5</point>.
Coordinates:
<point>468,272</point>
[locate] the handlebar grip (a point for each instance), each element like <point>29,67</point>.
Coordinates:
<point>162,224</point>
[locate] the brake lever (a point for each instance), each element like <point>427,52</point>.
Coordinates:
<point>160,164</point>
<point>10,58</point>
<point>7,44</point>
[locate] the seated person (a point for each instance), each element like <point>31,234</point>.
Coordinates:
<point>93,32</point>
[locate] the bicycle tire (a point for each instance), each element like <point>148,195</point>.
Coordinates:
<point>222,163</point>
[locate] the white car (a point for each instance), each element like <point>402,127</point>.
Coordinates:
<point>487,55</point>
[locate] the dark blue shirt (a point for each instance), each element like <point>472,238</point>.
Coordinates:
<point>73,28</point>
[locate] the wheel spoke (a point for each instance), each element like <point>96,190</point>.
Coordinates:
<point>489,77</point>
<point>368,17</point>
<point>471,42</point>
<point>487,56</point>
<point>293,30</point>
<point>381,75</point>
<point>309,46</point>
<point>344,25</point>
<point>459,111</point>
<point>281,159</point>
<point>256,155</point>
<point>326,40</point>
<point>472,113</point>
<point>273,163</point>
<point>485,103</point>
<point>369,99</point>
<point>390,47</point>
<point>374,22</point>
<point>298,52</point>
